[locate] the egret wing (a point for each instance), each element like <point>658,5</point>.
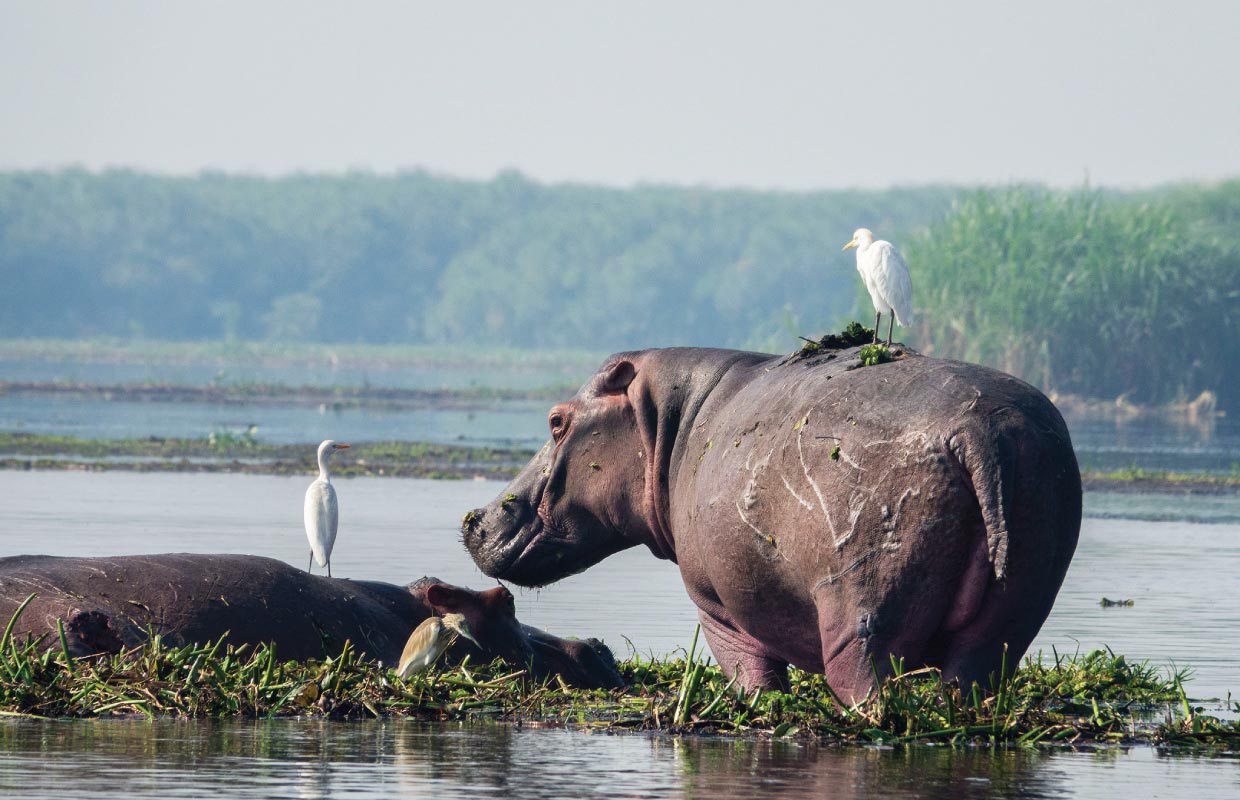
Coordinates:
<point>892,282</point>
<point>322,516</point>
<point>422,649</point>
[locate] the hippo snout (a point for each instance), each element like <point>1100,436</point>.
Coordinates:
<point>494,535</point>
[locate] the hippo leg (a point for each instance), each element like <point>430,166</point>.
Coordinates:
<point>743,657</point>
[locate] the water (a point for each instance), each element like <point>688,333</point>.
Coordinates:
<point>1106,445</point>
<point>1182,576</point>
<point>172,759</point>
<point>570,371</point>
<point>501,424</point>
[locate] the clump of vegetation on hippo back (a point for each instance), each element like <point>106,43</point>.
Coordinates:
<point>853,335</point>
<point>872,355</point>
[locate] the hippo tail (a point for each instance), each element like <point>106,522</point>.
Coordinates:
<point>1025,476</point>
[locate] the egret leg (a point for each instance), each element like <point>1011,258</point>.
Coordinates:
<point>877,316</point>
<point>329,566</point>
<point>891,324</point>
<point>310,567</point>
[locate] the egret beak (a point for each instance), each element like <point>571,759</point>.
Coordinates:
<point>464,631</point>
<point>851,244</point>
<point>342,446</point>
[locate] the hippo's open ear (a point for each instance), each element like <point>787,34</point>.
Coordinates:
<point>447,599</point>
<point>616,378</point>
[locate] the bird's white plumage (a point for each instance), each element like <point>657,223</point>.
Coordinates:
<point>886,276</point>
<point>322,517</point>
<point>320,512</point>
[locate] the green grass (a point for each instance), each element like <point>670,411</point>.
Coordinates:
<point>220,451</point>
<point>1182,480</point>
<point>1099,697</point>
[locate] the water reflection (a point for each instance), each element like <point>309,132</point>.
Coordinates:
<point>302,759</point>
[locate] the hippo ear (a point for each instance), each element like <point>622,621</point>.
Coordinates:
<point>447,599</point>
<point>617,377</point>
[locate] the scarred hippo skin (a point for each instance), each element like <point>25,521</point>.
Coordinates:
<point>110,603</point>
<point>939,530</point>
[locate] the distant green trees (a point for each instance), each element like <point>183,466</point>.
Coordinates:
<point>1096,293</point>
<point>1088,292</point>
<point>426,259</point>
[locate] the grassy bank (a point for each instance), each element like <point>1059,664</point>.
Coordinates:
<point>241,453</point>
<point>238,452</point>
<point>334,398</point>
<point>1099,697</point>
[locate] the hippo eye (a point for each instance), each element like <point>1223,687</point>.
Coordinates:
<point>557,423</point>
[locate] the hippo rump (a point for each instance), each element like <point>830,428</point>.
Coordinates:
<point>107,604</point>
<point>823,514</point>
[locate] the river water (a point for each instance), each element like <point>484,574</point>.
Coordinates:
<point>1177,557</point>
<point>1210,445</point>
<point>1182,576</point>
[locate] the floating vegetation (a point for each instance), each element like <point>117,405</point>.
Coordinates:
<point>1107,602</point>
<point>1099,697</point>
<point>225,441</point>
<point>242,452</point>
<point>874,354</point>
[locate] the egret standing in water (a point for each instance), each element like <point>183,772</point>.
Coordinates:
<point>429,641</point>
<point>886,277</point>
<point>322,515</point>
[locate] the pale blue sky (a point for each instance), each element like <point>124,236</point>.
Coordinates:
<point>770,94</point>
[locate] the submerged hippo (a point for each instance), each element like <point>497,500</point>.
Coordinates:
<point>107,604</point>
<point>822,514</point>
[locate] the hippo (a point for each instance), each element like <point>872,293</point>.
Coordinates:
<point>824,514</point>
<point>107,604</point>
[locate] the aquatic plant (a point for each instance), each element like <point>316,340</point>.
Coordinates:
<point>874,354</point>
<point>1096,697</point>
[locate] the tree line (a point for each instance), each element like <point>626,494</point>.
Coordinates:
<point>1098,293</point>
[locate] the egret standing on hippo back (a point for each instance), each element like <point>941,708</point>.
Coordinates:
<point>886,278</point>
<point>823,514</point>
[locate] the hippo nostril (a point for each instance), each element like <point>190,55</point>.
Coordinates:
<point>469,522</point>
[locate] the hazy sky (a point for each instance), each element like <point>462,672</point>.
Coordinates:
<point>769,94</point>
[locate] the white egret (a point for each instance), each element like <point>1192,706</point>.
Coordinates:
<point>322,515</point>
<point>429,641</point>
<point>886,277</point>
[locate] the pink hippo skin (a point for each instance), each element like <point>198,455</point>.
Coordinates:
<point>938,532</point>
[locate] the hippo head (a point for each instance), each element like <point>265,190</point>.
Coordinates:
<point>491,616</point>
<point>580,499</point>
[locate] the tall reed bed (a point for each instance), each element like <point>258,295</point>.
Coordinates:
<point>1083,292</point>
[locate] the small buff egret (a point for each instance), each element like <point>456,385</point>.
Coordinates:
<point>886,277</point>
<point>429,641</point>
<point>322,515</point>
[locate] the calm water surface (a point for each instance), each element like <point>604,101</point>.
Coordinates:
<point>122,759</point>
<point>1183,577</point>
<point>1147,443</point>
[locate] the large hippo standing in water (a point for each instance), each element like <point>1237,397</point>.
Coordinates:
<point>823,514</point>
<point>107,604</point>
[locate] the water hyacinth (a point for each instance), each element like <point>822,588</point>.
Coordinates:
<point>1098,697</point>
